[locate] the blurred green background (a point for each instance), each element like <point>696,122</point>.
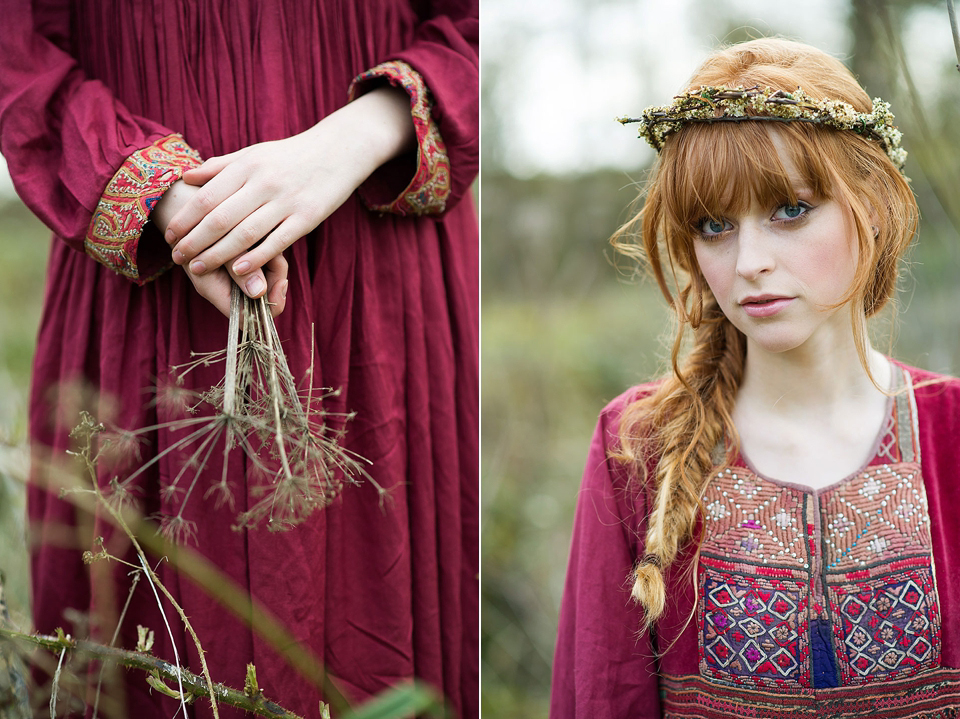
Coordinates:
<point>563,329</point>
<point>24,245</point>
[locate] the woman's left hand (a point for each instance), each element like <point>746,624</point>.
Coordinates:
<point>281,190</point>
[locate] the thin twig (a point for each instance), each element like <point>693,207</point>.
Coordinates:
<point>953,27</point>
<point>173,640</point>
<point>116,633</point>
<point>56,685</point>
<point>230,379</point>
<point>86,434</point>
<point>222,589</point>
<point>275,389</point>
<point>196,685</point>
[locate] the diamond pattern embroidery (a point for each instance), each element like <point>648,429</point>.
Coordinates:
<point>754,630</point>
<point>856,555</point>
<point>885,625</point>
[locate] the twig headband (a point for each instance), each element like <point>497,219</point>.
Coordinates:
<point>722,104</point>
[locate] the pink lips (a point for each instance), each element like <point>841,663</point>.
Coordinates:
<point>765,305</point>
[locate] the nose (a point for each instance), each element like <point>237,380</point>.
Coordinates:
<point>755,251</point>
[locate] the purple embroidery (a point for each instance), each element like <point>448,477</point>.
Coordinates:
<point>752,631</point>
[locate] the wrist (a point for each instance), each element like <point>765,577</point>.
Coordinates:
<point>377,125</point>
<point>170,203</point>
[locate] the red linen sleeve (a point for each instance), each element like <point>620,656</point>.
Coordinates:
<point>602,669</point>
<point>70,145</point>
<point>439,71</point>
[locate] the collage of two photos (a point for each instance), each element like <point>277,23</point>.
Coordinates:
<point>385,359</point>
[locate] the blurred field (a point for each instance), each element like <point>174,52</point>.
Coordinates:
<point>24,243</point>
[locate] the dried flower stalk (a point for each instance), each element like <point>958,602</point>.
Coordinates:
<point>258,407</point>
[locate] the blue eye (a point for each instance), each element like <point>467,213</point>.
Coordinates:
<point>709,226</point>
<point>791,212</point>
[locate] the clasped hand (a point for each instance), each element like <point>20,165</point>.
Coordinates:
<point>235,214</point>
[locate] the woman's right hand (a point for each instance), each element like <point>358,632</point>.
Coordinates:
<point>217,286</point>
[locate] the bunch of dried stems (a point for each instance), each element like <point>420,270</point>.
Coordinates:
<point>283,430</point>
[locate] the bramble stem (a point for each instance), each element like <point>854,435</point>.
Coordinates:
<point>195,686</point>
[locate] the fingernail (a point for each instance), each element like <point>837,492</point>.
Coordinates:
<point>283,292</point>
<point>178,257</point>
<point>255,286</point>
<point>197,267</point>
<point>241,267</point>
<point>170,237</point>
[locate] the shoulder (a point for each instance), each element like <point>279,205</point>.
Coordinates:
<point>618,405</point>
<point>937,395</point>
<point>611,429</point>
<point>938,424</point>
<point>611,416</point>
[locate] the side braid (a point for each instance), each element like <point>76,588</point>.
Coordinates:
<point>688,414</point>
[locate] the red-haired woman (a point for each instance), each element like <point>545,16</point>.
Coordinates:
<point>765,532</point>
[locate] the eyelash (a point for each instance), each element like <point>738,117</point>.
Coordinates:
<point>711,236</point>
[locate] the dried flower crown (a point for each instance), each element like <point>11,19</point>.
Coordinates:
<point>723,104</point>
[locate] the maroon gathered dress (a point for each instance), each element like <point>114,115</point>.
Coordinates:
<point>91,91</point>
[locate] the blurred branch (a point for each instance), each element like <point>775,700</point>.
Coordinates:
<point>220,587</point>
<point>158,671</point>
<point>953,27</point>
<point>928,154</point>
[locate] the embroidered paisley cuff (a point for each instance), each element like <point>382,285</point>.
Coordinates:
<point>427,192</point>
<point>114,235</point>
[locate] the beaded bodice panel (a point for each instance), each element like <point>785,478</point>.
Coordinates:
<point>804,589</point>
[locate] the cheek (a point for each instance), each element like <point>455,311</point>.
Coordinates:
<point>718,270</point>
<point>832,266</point>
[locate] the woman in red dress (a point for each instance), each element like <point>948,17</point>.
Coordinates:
<point>106,110</point>
<point>766,531</point>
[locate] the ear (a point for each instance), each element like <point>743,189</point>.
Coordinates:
<point>873,215</point>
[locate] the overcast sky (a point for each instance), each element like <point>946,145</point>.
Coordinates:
<point>559,71</point>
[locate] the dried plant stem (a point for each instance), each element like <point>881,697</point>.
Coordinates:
<point>86,436</point>
<point>275,390</point>
<point>155,580</point>
<point>230,378</point>
<point>230,385</point>
<point>56,685</point>
<point>223,590</point>
<point>173,643</point>
<point>116,633</point>
<point>196,686</point>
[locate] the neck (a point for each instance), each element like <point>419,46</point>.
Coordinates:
<point>826,370</point>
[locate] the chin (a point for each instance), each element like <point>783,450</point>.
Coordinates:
<point>775,340</point>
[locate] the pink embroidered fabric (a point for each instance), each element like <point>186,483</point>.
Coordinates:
<point>428,191</point>
<point>124,209</point>
<point>840,602</point>
<point>856,555</point>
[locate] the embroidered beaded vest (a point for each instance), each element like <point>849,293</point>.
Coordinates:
<point>826,588</point>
